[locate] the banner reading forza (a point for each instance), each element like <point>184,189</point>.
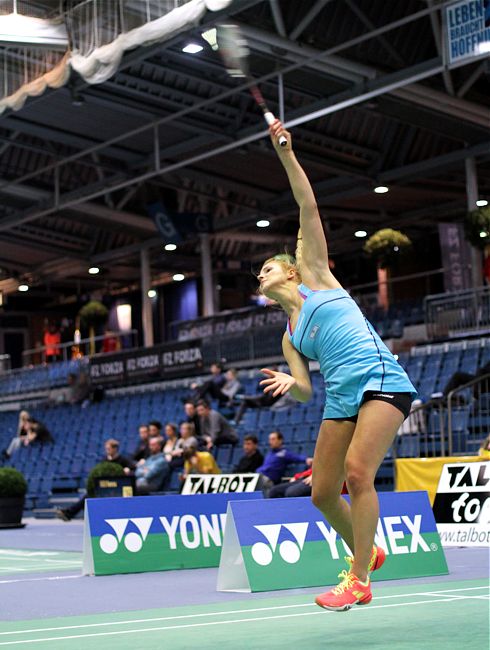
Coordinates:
<point>286,543</point>
<point>148,364</point>
<point>155,533</point>
<point>462,504</point>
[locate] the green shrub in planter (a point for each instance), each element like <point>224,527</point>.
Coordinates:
<point>477,227</point>
<point>12,483</point>
<point>13,488</point>
<point>102,470</point>
<point>386,246</point>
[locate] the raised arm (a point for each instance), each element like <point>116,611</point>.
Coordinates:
<point>311,250</point>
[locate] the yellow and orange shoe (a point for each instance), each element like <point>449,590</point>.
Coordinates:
<point>349,592</point>
<point>378,557</point>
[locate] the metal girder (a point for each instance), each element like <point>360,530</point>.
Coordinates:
<point>308,18</point>
<point>437,32</point>
<point>277,16</point>
<point>370,25</point>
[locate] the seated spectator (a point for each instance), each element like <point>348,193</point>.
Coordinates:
<point>155,428</point>
<point>215,428</point>
<point>212,387</point>
<point>226,397</point>
<point>80,390</point>
<point>152,472</point>
<point>142,450</point>
<point>192,416</point>
<point>199,462</point>
<point>251,459</point>
<point>112,455</point>
<point>187,439</point>
<point>31,432</point>
<point>484,451</point>
<point>277,460</point>
<point>255,401</point>
<point>171,440</point>
<point>297,486</point>
<point>21,434</point>
<point>37,433</point>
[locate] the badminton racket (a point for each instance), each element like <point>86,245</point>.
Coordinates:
<point>234,52</point>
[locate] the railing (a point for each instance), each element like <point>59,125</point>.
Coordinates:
<point>469,401</point>
<point>455,315</point>
<point>5,363</point>
<point>81,348</point>
<point>453,425</point>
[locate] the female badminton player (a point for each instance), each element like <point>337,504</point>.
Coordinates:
<point>368,394</point>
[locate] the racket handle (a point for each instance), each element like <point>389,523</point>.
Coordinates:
<point>270,119</point>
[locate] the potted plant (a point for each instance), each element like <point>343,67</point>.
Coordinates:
<point>385,247</point>
<point>93,315</point>
<point>13,488</point>
<point>102,470</point>
<point>477,227</point>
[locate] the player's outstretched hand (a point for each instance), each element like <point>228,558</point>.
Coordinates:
<point>277,129</point>
<point>277,382</point>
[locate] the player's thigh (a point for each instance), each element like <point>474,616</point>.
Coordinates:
<point>374,433</point>
<point>331,448</point>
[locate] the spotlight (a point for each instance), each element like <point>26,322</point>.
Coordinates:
<point>360,233</point>
<point>170,247</point>
<point>381,189</point>
<point>263,223</point>
<point>178,277</point>
<point>481,203</point>
<point>152,293</point>
<point>23,287</point>
<point>93,270</point>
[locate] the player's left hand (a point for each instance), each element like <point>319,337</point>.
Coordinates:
<point>277,382</point>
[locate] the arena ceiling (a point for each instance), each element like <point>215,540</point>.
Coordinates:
<point>363,83</point>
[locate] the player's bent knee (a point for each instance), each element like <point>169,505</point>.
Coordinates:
<point>358,479</point>
<point>325,499</point>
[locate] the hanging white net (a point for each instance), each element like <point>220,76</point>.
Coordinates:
<point>99,33</point>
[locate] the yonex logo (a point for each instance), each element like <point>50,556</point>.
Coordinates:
<point>290,551</point>
<point>109,543</point>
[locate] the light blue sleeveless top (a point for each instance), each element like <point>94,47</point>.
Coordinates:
<point>353,359</point>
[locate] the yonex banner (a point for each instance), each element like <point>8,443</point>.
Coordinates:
<point>216,483</point>
<point>467,30</point>
<point>462,504</point>
<point>286,543</point>
<point>155,533</point>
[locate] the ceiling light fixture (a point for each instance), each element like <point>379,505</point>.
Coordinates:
<point>481,203</point>
<point>23,287</point>
<point>360,233</point>
<point>178,277</point>
<point>192,48</point>
<point>152,293</point>
<point>263,223</point>
<point>381,189</point>
<point>93,270</point>
<point>483,234</point>
<point>170,247</point>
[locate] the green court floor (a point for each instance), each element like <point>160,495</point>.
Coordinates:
<point>439,616</point>
<point>32,561</point>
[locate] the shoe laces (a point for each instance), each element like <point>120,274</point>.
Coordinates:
<point>347,581</point>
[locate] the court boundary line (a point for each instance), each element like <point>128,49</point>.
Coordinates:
<point>192,625</point>
<point>445,599</point>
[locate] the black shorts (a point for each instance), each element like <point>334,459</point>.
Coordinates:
<point>402,401</point>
